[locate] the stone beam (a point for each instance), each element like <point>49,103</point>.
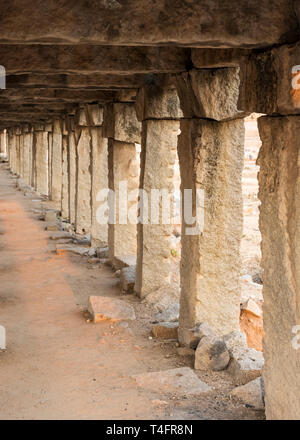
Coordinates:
<point>92,59</point>
<point>71,81</point>
<point>206,23</point>
<point>38,95</point>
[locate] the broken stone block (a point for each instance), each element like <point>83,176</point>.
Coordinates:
<point>252,307</point>
<point>250,290</point>
<point>211,354</point>
<point>246,363</point>
<point>165,330</point>
<point>251,394</point>
<point>171,314</point>
<point>178,380</point>
<point>127,279</point>
<point>161,299</point>
<point>121,261</point>
<point>102,252</point>
<point>104,308</point>
<point>52,227</point>
<point>60,235</point>
<point>51,216</point>
<point>92,252</point>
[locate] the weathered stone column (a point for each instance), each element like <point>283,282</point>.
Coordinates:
<point>17,132</point>
<point>210,150</point>
<point>65,175</point>
<point>40,140</point>
<point>271,84</point>
<point>72,161</point>
<point>83,184</point>
<point>123,130</point>
<point>3,149</point>
<point>279,192</point>
<point>56,162</point>
<point>26,157</point>
<point>99,167</point>
<point>159,110</point>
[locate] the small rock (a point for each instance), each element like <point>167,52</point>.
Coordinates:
<point>182,381</point>
<point>104,308</point>
<point>127,279</point>
<point>246,363</point>
<point>185,351</point>
<point>166,330</point>
<point>170,314</point>
<point>251,393</point>
<point>102,252</point>
<point>211,354</point>
<point>50,216</point>
<point>117,273</point>
<point>92,252</point>
<point>52,227</point>
<point>60,235</point>
<point>158,402</point>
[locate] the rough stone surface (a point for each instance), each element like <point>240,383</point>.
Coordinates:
<point>211,354</point>
<point>41,145</point>
<point>165,330</point>
<point>169,314</point>
<point>268,84</point>
<point>99,228</point>
<point>158,100</point>
<point>251,306</point>
<point>83,187</point>
<point>102,252</point>
<point>121,124</point>
<point>179,380</point>
<point>196,97</point>
<point>251,394</point>
<point>159,142</point>
<point>51,216</point>
<point>104,308</point>
<point>56,161</point>
<point>279,185</point>
<point>211,159</point>
<point>139,22</point>
<point>246,363</point>
<point>164,298</point>
<point>72,159</point>
<point>123,166</point>
<point>127,279</point>
<point>65,180</point>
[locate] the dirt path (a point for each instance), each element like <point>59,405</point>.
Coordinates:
<point>58,366</point>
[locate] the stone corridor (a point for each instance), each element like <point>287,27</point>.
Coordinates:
<point>111,274</point>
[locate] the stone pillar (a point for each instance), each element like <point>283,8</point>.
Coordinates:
<point>123,130</point>
<point>271,85</point>
<point>159,110</point>
<point>56,162</point>
<point>26,158</point>
<point>279,193</point>
<point>210,150</point>
<point>65,177</point>
<point>17,132</point>
<point>41,159</point>
<point>99,169</point>
<point>83,185</point>
<point>3,149</point>
<point>72,160</point>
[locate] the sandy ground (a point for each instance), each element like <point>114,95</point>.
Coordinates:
<point>59,366</point>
